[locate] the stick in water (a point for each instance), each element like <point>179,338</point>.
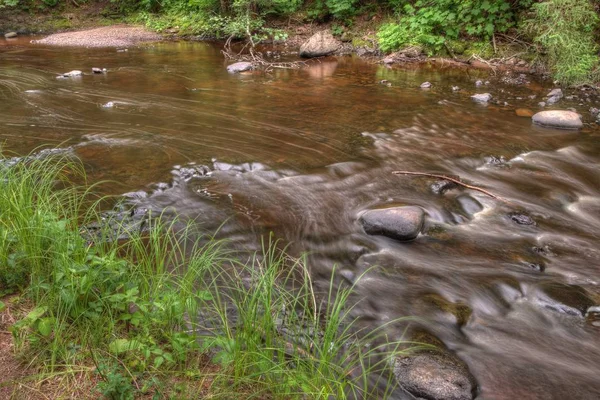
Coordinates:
<point>457,181</point>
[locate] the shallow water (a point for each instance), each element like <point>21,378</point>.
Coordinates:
<point>303,152</point>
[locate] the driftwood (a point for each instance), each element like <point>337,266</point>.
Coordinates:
<point>453,180</point>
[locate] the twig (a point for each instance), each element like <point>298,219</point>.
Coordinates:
<point>494,43</point>
<point>449,50</point>
<point>457,181</point>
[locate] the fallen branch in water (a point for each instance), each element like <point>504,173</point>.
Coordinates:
<point>457,181</point>
<point>256,58</point>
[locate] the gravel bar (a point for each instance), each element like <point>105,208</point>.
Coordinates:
<point>108,36</point>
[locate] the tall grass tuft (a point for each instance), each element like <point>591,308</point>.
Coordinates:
<point>151,309</point>
<point>566,30</point>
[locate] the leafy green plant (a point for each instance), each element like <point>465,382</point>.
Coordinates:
<point>431,23</point>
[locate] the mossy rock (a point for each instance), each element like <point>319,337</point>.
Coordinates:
<point>457,46</point>
<point>461,312</point>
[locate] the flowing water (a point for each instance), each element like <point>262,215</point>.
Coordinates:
<point>302,153</point>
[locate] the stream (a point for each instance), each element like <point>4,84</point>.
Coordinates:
<point>508,286</point>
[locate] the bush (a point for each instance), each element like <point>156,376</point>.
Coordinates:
<point>565,30</point>
<point>430,23</point>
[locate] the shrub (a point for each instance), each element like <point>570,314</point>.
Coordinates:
<point>565,30</point>
<point>430,23</point>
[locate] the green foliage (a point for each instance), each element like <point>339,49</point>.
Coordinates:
<point>430,24</point>
<point>341,8</point>
<point>115,385</point>
<point>8,3</point>
<point>566,29</point>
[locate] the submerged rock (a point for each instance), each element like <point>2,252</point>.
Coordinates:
<point>560,119</point>
<point>239,67</point>
<point>524,112</point>
<point>320,44</point>
<point>435,376</point>
<point>521,219</point>
<point>400,223</point>
<point>441,186</point>
<point>566,299</point>
<point>469,205</point>
<point>482,98</point>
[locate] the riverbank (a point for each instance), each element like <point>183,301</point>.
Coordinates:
<point>97,24</point>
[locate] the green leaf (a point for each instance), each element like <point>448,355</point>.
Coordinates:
<point>36,313</point>
<point>45,326</point>
<point>119,346</point>
<point>158,361</point>
<point>2,306</point>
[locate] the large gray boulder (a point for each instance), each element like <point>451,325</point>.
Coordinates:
<point>400,223</point>
<point>239,67</point>
<point>435,376</point>
<point>320,44</point>
<point>560,119</point>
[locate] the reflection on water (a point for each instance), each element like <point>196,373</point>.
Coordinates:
<point>303,152</point>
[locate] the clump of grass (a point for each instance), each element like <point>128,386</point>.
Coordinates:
<point>150,310</point>
<point>565,29</point>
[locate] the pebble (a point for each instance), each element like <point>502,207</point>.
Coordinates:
<point>426,85</point>
<point>482,97</point>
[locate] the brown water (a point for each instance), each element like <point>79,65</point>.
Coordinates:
<point>320,145</point>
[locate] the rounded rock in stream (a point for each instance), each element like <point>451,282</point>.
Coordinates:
<point>435,376</point>
<point>482,97</point>
<point>559,119</point>
<point>562,298</point>
<point>239,67</point>
<point>400,223</point>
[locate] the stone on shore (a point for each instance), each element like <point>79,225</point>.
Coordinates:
<point>560,119</point>
<point>10,35</point>
<point>400,223</point>
<point>320,44</point>
<point>239,67</point>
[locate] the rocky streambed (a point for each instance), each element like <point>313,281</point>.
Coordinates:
<point>502,289</point>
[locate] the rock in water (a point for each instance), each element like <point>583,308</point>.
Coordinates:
<point>482,98</point>
<point>559,119</point>
<point>239,67</point>
<point>10,35</point>
<point>425,85</point>
<point>435,376</point>
<point>320,44</point>
<point>98,70</point>
<point>400,223</point>
<point>524,112</point>
<point>555,93</point>
<point>71,74</point>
